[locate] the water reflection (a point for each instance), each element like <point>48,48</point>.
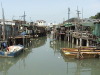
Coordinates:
<point>61,44</point>
<point>39,59</point>
<point>37,42</point>
<point>7,63</point>
<point>82,67</point>
<point>56,45</point>
<point>74,66</point>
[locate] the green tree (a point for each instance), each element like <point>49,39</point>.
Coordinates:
<point>97,16</point>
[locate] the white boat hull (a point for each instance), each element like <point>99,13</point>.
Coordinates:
<point>12,51</point>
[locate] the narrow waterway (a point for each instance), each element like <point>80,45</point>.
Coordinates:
<point>43,58</point>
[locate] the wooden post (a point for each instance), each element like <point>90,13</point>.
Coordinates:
<point>72,40</point>
<point>80,42</point>
<point>87,44</point>
<point>68,37</point>
<point>77,41</point>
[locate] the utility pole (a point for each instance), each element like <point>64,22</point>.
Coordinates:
<point>24,23</point>
<point>24,17</point>
<point>3,26</point>
<point>68,23</point>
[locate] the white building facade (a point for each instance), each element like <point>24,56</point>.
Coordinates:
<point>41,23</point>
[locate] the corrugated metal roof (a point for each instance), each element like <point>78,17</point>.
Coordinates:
<point>69,24</point>
<point>88,24</point>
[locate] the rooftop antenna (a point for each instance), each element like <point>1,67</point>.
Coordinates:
<point>78,12</point>
<point>77,20</point>
<point>68,14</point>
<point>24,16</point>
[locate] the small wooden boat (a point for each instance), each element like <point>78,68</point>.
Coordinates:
<point>82,51</point>
<point>11,51</point>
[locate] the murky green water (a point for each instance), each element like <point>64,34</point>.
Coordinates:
<point>43,58</point>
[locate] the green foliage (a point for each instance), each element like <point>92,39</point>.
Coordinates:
<point>92,28</point>
<point>97,16</point>
<point>93,17</point>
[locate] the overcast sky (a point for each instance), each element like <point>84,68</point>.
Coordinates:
<point>49,10</point>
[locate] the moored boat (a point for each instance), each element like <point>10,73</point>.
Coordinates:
<point>83,52</point>
<point>11,51</point>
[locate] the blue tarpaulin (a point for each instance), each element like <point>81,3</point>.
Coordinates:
<point>23,33</point>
